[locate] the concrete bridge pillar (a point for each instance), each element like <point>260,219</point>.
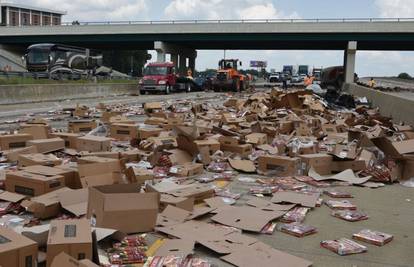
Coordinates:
<point>349,61</point>
<point>191,64</point>
<point>163,48</point>
<point>160,56</point>
<point>174,59</point>
<point>183,64</point>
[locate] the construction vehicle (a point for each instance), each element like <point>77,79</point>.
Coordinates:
<point>228,77</point>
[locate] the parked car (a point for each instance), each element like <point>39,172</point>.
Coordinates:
<point>274,78</point>
<point>296,79</point>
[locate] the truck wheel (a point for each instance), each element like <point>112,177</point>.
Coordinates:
<point>187,87</point>
<point>236,85</point>
<point>167,89</point>
<point>242,87</point>
<point>142,92</point>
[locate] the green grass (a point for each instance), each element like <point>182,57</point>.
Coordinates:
<point>22,81</point>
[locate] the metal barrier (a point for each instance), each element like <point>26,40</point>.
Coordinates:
<point>45,75</point>
<point>223,21</point>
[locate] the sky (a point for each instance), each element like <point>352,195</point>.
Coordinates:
<point>369,63</point>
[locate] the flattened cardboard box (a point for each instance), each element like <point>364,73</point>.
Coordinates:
<point>280,165</point>
<point>71,175</point>
<point>73,237</point>
<point>107,204</point>
<point>45,206</point>
<point>38,159</point>
<point>306,200</point>
<point>71,139</point>
<point>124,132</point>
<point>179,202</point>
<point>12,141</point>
<point>30,184</point>
<point>16,250</point>
<point>81,126</point>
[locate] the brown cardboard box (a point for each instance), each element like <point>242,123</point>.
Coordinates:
<point>280,165</point>
<point>187,169</point>
<point>73,181</point>
<point>73,237</point>
<point>168,142</point>
<point>81,111</point>
<point>321,163</point>
<point>179,202</point>
<point>69,138</point>
<point>152,106</point>
<point>38,131</point>
<point>64,260</point>
<point>333,128</point>
<point>45,206</point>
<point>156,121</point>
<point>96,159</point>
<point>243,150</point>
<point>355,165</point>
<point>256,138</point>
<point>144,133</point>
<point>100,173</point>
<point>74,201</point>
<point>13,155</point>
<point>408,168</point>
<point>124,132</point>
<point>38,159</point>
<point>94,143</point>
<point>107,204</point>
<point>106,115</point>
<point>16,250</point>
<point>81,126</point>
<point>12,141</point>
<point>136,175</point>
<point>212,144</point>
<point>32,184</point>
<point>120,119</point>
<point>47,145</point>
<point>71,176</point>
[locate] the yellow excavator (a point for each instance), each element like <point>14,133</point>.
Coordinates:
<point>228,77</point>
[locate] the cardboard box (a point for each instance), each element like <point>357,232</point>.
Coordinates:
<point>279,165</point>
<point>64,260</point>
<point>30,184</point>
<point>355,165</point>
<point>12,141</point>
<point>73,181</point>
<point>106,115</point>
<point>38,159</point>
<point>73,237</point>
<point>179,202</point>
<point>187,169</point>
<point>38,131</point>
<point>243,150</point>
<point>107,204</point>
<point>45,206</point>
<point>321,163</point>
<point>124,132</point>
<point>256,138</point>
<point>136,175</point>
<point>144,133</point>
<point>152,106</point>
<point>333,128</point>
<point>120,119</point>
<point>81,126</point>
<point>16,250</point>
<point>71,175</point>
<point>93,143</point>
<point>47,145</point>
<point>71,139</point>
<point>13,155</point>
<point>74,201</point>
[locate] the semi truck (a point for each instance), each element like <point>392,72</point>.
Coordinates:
<point>162,77</point>
<point>303,70</point>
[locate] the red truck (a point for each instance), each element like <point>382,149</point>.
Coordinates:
<point>162,77</point>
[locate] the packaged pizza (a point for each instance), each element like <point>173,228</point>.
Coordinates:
<point>373,237</point>
<point>297,214</point>
<point>340,205</point>
<point>296,229</point>
<point>343,246</point>
<point>350,215</point>
<point>337,194</point>
<point>269,228</point>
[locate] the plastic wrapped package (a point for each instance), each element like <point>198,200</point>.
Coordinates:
<point>350,215</point>
<point>337,194</point>
<point>340,205</point>
<point>297,214</point>
<point>297,229</point>
<point>373,237</point>
<point>343,246</point>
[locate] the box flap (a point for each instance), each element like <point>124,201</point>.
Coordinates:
<point>306,200</point>
<point>242,165</point>
<point>176,247</point>
<point>75,201</point>
<point>11,197</point>
<point>345,176</point>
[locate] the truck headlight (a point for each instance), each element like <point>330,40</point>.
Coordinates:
<point>162,82</point>
<point>141,81</point>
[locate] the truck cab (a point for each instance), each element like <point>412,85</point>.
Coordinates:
<point>158,77</point>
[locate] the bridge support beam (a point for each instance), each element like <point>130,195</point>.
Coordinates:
<point>349,62</point>
<point>163,48</point>
<point>174,59</point>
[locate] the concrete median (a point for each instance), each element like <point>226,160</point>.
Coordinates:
<point>400,108</point>
<point>16,94</point>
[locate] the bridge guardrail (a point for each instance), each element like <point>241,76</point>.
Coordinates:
<point>225,21</point>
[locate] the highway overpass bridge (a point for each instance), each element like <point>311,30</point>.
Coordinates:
<point>181,39</point>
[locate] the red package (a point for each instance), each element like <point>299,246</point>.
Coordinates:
<point>297,214</point>
<point>264,190</point>
<point>340,205</point>
<point>297,229</point>
<point>310,181</point>
<point>350,215</point>
<point>373,237</point>
<point>269,228</point>
<point>337,194</point>
<point>343,246</point>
